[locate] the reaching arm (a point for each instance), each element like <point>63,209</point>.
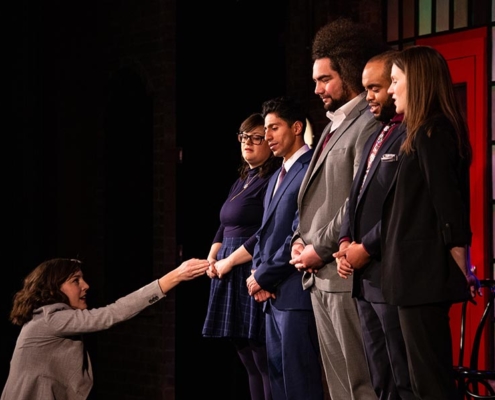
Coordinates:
<point>188,270</point>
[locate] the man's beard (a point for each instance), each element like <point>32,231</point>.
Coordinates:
<point>335,104</point>
<point>387,111</point>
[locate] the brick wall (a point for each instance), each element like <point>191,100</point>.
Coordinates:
<point>136,360</point>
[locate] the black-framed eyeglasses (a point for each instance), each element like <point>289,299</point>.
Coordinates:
<point>255,139</point>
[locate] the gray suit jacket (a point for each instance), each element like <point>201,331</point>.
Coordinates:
<point>324,191</point>
<point>49,360</point>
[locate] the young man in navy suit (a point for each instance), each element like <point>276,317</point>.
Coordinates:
<point>359,252</point>
<point>294,365</point>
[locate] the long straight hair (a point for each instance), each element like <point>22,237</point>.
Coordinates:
<point>430,93</point>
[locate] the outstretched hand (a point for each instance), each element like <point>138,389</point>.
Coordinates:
<point>192,268</point>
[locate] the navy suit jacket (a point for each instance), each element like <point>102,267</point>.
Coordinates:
<point>272,251</point>
<point>362,220</point>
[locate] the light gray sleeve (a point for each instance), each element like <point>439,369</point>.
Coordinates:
<point>64,321</point>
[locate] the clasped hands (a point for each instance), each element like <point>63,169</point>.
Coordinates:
<point>255,290</point>
<point>350,256</point>
<point>219,268</point>
<point>305,258</point>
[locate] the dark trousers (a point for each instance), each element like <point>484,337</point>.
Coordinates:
<point>385,350</point>
<point>428,340</point>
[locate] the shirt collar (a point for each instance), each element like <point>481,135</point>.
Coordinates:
<point>397,118</point>
<point>295,156</point>
<point>339,115</point>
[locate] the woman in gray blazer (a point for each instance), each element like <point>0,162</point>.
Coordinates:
<point>49,360</point>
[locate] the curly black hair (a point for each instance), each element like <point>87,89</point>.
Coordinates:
<point>349,45</point>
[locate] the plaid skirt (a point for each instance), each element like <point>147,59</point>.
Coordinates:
<point>232,312</point>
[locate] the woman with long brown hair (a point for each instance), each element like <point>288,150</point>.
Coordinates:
<point>425,226</point>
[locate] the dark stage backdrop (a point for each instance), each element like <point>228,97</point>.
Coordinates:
<point>234,60</point>
<point>230,58</point>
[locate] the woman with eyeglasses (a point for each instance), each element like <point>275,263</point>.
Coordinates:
<point>232,314</point>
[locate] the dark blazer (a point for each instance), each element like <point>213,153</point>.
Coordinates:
<point>272,251</point>
<point>366,207</point>
<point>425,214</point>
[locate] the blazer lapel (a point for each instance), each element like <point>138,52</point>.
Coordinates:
<point>282,188</point>
<point>348,121</point>
<point>394,135</point>
<point>316,161</point>
<point>364,161</point>
<point>291,174</point>
<point>270,188</point>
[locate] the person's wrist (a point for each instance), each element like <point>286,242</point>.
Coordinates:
<point>364,249</point>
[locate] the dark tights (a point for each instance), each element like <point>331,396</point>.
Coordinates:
<point>253,357</point>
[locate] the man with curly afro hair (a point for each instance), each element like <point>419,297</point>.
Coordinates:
<point>340,51</point>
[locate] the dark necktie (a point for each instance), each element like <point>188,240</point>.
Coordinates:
<point>327,138</point>
<point>283,171</point>
<point>281,176</point>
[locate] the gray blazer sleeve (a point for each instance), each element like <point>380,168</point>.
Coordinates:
<point>65,321</point>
